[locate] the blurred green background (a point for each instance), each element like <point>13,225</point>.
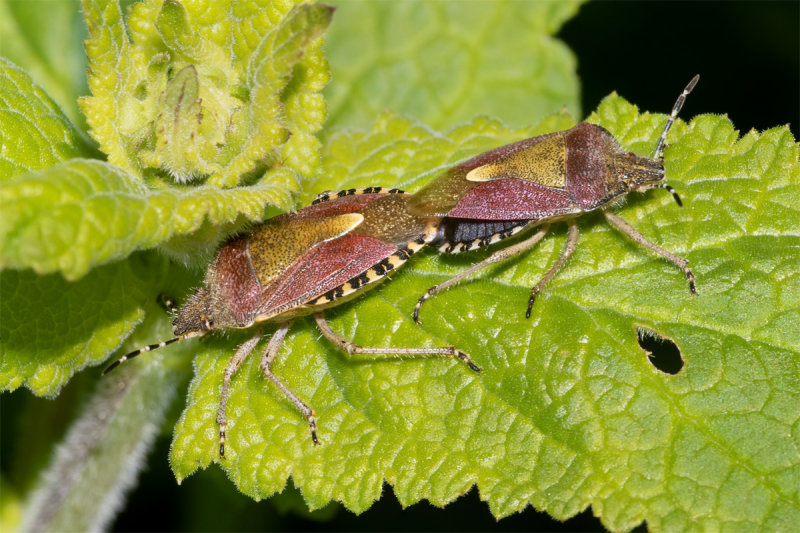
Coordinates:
<point>748,56</point>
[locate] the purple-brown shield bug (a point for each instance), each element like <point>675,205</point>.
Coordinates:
<point>300,264</point>
<point>537,181</point>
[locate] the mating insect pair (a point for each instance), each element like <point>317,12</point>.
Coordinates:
<point>302,263</point>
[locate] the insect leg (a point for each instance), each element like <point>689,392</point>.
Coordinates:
<point>351,348</point>
<point>168,304</point>
<point>270,352</point>
<point>233,365</point>
<point>631,232</point>
<point>569,249</point>
<point>496,257</point>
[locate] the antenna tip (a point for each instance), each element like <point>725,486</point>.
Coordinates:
<point>673,192</point>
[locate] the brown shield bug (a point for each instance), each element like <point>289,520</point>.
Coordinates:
<point>299,264</point>
<point>534,182</point>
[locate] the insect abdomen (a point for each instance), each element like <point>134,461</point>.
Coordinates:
<point>462,234</point>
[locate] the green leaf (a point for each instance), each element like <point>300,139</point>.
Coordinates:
<point>100,456</point>
<point>84,213</point>
<point>568,412</point>
<point>52,328</point>
<point>50,48</point>
<point>34,132</point>
<point>176,91</point>
<point>443,61</point>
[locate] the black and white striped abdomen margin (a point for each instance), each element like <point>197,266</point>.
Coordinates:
<point>457,235</point>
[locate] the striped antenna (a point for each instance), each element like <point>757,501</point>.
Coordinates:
<point>134,353</point>
<point>671,190</point>
<point>659,154</point>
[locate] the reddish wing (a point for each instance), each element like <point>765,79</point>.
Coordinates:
<point>239,286</point>
<point>447,191</point>
<point>342,259</point>
<point>512,199</point>
<point>587,148</point>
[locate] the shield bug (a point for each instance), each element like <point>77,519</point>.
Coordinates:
<point>536,181</point>
<point>299,264</point>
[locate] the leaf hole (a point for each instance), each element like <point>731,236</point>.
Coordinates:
<point>662,352</point>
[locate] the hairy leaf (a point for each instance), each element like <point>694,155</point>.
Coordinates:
<point>52,328</point>
<point>34,132</point>
<point>98,461</point>
<point>84,213</point>
<point>569,411</point>
<point>206,89</point>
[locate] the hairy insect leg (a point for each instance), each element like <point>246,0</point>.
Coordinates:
<point>231,368</point>
<point>352,348</point>
<point>270,352</point>
<point>631,232</point>
<point>496,257</point>
<point>569,249</point>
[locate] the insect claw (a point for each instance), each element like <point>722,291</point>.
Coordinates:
<point>531,300</point>
<point>466,358</point>
<point>692,287</point>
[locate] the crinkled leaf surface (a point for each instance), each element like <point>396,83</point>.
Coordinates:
<point>206,88</point>
<point>83,487</point>
<point>53,328</point>
<point>83,213</point>
<point>67,216</point>
<point>43,346</point>
<point>568,412</point>
<point>443,61</point>
<point>169,63</point>
<point>34,132</point>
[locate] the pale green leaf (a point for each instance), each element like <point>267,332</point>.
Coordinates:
<point>99,458</point>
<point>568,412</point>
<point>269,72</point>
<point>83,213</point>
<point>52,328</point>
<point>225,91</point>
<point>34,132</point>
<point>444,61</point>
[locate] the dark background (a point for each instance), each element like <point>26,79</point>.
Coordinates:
<point>748,56</point>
